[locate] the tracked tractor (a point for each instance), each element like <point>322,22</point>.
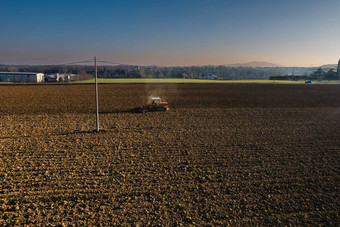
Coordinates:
<point>157,105</point>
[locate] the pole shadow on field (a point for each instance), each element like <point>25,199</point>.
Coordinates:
<point>56,134</point>
<point>114,111</point>
<point>133,110</point>
<point>80,132</point>
<point>14,137</point>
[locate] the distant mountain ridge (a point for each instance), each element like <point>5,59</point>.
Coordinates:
<point>328,66</point>
<point>254,64</point>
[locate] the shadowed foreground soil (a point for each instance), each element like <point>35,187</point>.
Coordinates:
<point>224,154</point>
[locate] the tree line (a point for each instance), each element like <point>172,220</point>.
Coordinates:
<point>132,71</point>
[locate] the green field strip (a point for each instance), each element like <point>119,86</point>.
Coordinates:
<point>134,80</point>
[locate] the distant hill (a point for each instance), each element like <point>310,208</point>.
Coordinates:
<point>254,64</point>
<point>329,66</point>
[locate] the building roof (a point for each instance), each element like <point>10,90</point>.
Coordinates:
<point>18,73</point>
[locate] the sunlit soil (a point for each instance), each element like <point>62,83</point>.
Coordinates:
<point>223,154</point>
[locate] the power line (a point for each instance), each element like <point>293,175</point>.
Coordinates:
<point>73,63</point>
<point>79,62</point>
<point>110,62</point>
<point>90,61</point>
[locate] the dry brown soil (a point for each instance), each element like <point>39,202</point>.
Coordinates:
<point>237,154</point>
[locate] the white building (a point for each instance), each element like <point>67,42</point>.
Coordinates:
<point>211,77</point>
<point>52,78</point>
<point>26,77</point>
<point>56,77</point>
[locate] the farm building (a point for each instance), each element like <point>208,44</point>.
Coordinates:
<point>21,77</point>
<point>52,78</point>
<point>211,77</point>
<point>56,77</point>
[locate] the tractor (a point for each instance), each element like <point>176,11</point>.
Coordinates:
<point>157,105</point>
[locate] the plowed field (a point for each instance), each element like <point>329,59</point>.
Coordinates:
<point>224,154</point>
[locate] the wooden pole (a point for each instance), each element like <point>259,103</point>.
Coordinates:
<point>97,106</point>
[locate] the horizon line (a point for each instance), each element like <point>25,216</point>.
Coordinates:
<point>169,66</point>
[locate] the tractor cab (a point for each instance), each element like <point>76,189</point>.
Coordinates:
<point>157,102</point>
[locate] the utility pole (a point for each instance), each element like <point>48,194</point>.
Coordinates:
<point>96,85</point>
<point>338,70</point>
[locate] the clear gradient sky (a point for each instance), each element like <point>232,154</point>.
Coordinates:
<point>170,32</point>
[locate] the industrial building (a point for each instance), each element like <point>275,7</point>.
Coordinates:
<point>23,77</point>
<point>56,77</point>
